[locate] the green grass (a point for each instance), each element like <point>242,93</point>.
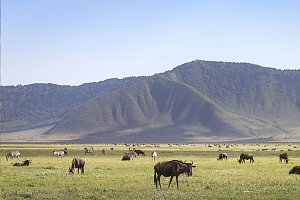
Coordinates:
<point>107,177</point>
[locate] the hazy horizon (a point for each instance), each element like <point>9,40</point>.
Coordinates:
<point>75,42</point>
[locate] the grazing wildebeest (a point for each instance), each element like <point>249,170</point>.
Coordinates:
<point>153,155</point>
<point>126,157</point>
<point>88,151</point>
<point>246,156</point>
<point>295,170</point>
<point>13,154</point>
<point>60,153</point>
<point>23,163</point>
<point>283,156</point>
<point>77,163</point>
<point>139,152</point>
<point>171,168</point>
<point>222,156</point>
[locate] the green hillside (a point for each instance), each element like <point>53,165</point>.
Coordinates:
<point>31,106</point>
<point>196,101</point>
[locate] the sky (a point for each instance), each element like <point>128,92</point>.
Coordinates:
<point>71,42</point>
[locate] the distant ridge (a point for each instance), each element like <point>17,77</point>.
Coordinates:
<point>196,101</point>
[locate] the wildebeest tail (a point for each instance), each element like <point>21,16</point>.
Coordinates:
<point>154,177</point>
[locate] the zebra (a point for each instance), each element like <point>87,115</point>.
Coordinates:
<point>88,151</point>
<point>153,155</point>
<point>60,153</point>
<point>13,154</point>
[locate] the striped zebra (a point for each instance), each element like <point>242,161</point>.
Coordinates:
<point>153,155</point>
<point>88,151</point>
<point>60,153</point>
<point>13,154</point>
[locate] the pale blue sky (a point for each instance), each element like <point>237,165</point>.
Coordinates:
<point>71,42</point>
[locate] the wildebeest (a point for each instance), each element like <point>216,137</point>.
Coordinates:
<point>23,163</point>
<point>246,156</point>
<point>13,154</point>
<point>88,151</point>
<point>222,156</point>
<point>139,152</point>
<point>283,156</point>
<point>104,151</point>
<point>295,170</point>
<point>172,168</point>
<point>18,164</point>
<point>153,155</point>
<point>126,157</point>
<point>130,153</point>
<point>60,153</point>
<point>77,163</point>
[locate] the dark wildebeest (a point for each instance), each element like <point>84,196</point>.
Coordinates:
<point>222,156</point>
<point>13,154</point>
<point>77,163</point>
<point>246,156</point>
<point>18,164</point>
<point>283,156</point>
<point>171,168</point>
<point>295,170</point>
<point>104,151</point>
<point>139,152</point>
<point>153,155</point>
<point>126,157</point>
<point>23,163</point>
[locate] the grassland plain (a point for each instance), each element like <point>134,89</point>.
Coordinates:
<point>107,177</point>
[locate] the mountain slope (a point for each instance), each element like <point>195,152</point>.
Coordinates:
<point>31,106</point>
<point>196,101</point>
<point>245,88</point>
<point>149,110</point>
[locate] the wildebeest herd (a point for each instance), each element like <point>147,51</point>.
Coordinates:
<point>165,168</point>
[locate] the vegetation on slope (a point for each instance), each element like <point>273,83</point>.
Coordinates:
<point>197,99</point>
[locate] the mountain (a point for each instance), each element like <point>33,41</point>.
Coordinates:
<point>196,101</point>
<point>35,105</point>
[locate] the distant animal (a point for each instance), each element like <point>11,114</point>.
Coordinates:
<point>171,168</point>
<point>295,170</point>
<point>23,163</point>
<point>26,162</point>
<point>126,157</point>
<point>139,152</point>
<point>18,164</point>
<point>153,155</point>
<point>60,153</point>
<point>104,151</point>
<point>222,156</point>
<point>246,156</point>
<point>130,153</point>
<point>13,154</point>
<point>77,163</point>
<point>283,156</point>
<point>88,151</point>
